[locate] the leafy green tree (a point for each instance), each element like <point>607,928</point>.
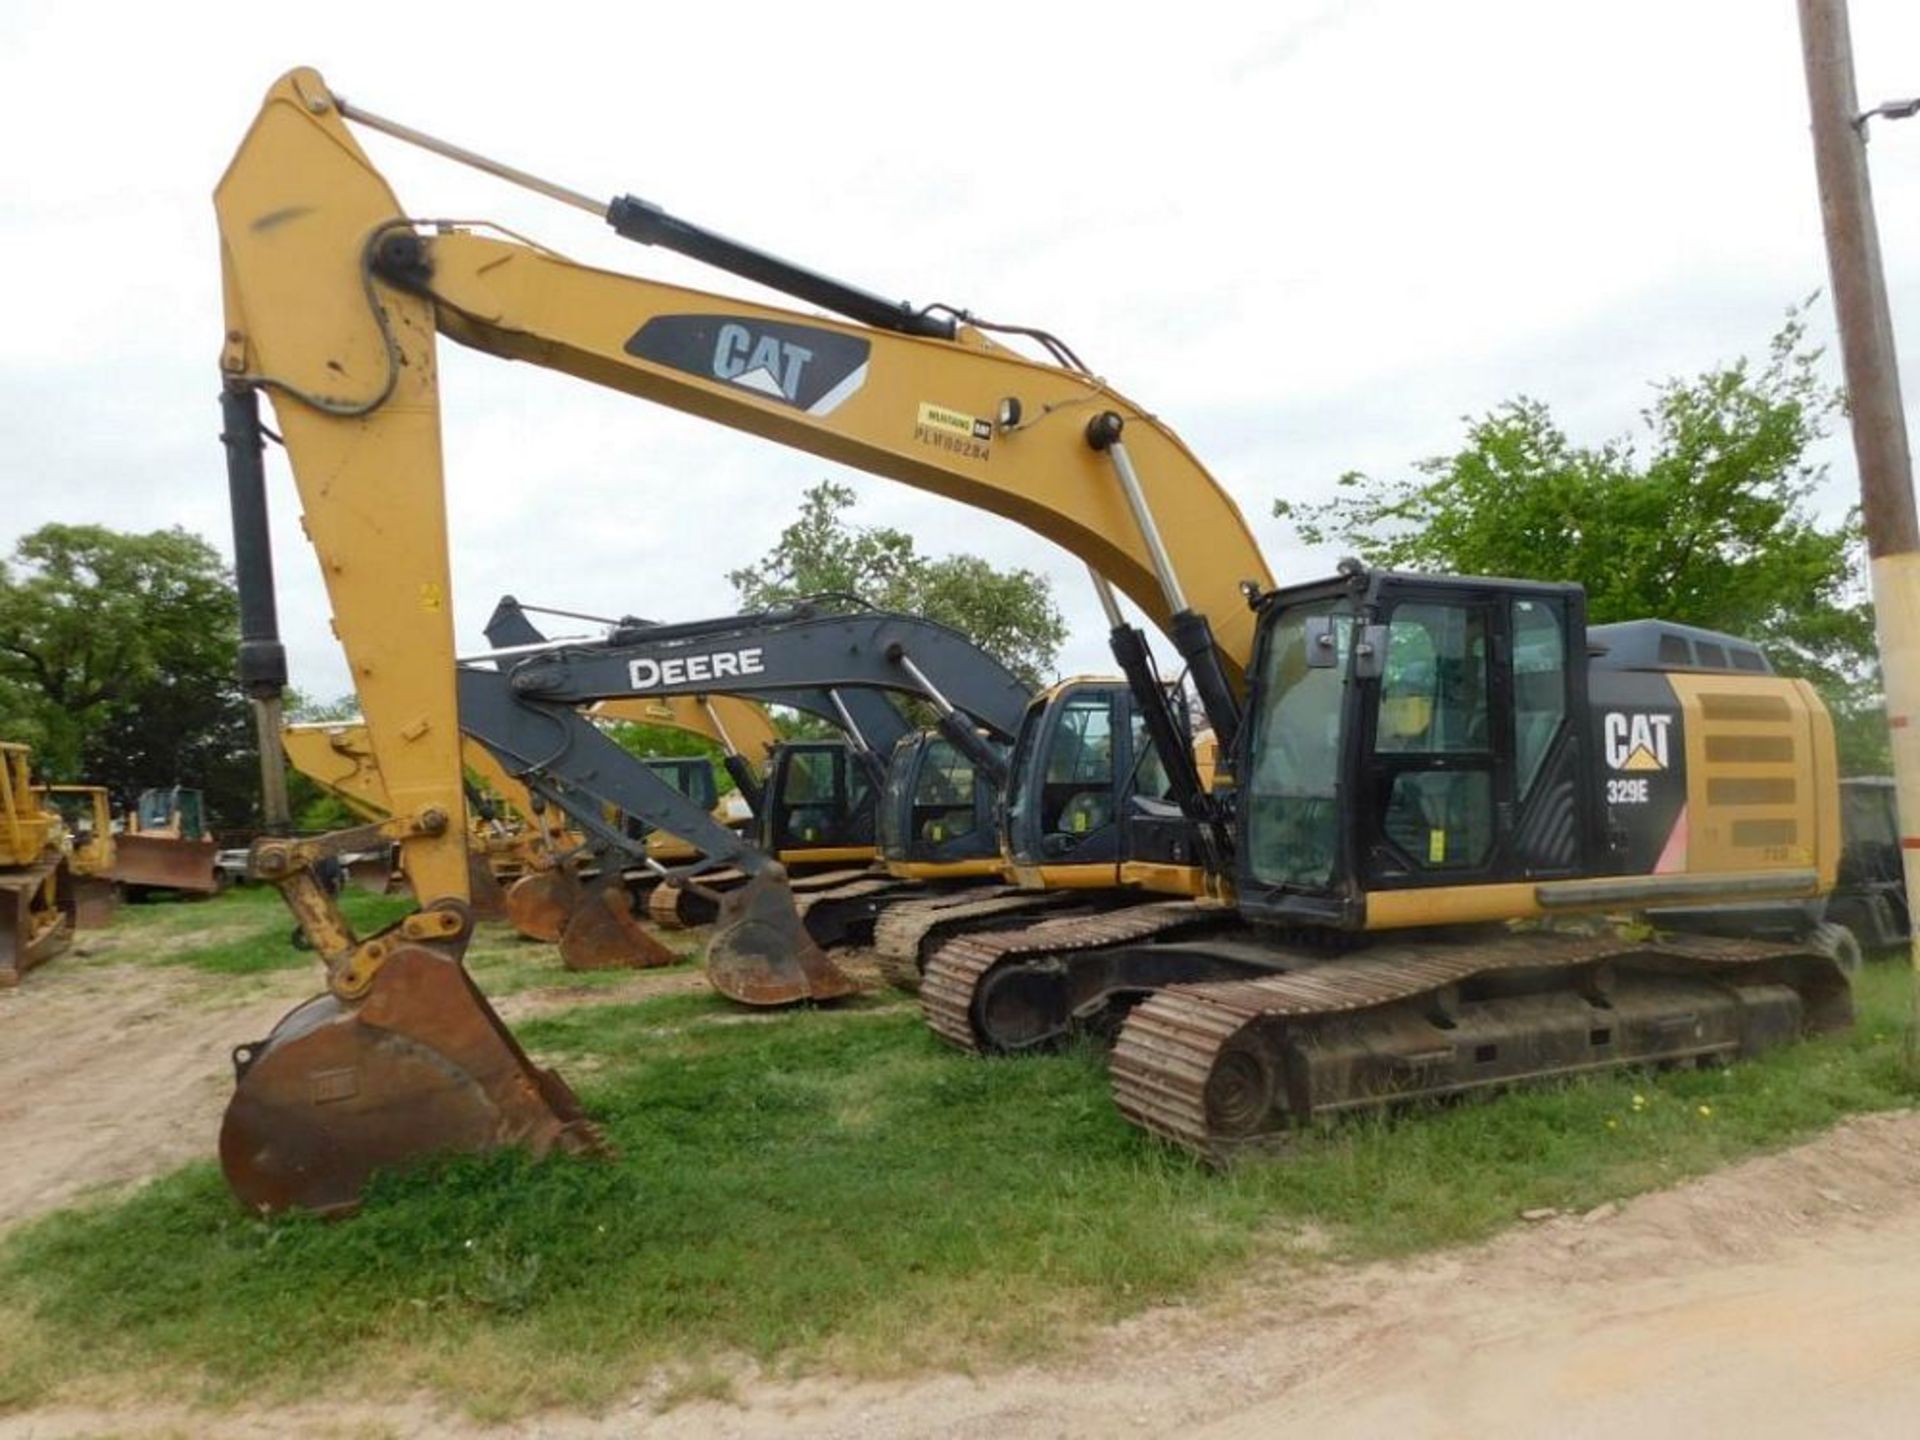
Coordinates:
<point>1707,519</point>
<point>1009,613</point>
<point>116,663</point>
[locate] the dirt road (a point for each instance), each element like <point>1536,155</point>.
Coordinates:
<point>1778,1298</point>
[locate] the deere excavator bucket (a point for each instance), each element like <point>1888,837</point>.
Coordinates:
<point>540,902</point>
<point>602,934</point>
<point>761,954</point>
<point>485,897</point>
<point>420,1065</point>
<point>162,862</point>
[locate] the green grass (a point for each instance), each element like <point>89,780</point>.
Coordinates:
<point>829,1188</point>
<point>246,931</point>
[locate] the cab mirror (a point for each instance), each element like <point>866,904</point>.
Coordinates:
<point>1370,653</point>
<point>1323,642</point>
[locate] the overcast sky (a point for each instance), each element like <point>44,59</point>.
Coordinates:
<point>1311,236</point>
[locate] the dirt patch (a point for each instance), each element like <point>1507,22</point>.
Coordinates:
<point>112,1072</point>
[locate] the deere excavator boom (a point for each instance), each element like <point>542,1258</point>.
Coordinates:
<point>527,709</point>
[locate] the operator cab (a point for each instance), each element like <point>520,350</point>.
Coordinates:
<point>175,811</point>
<point>819,804</point>
<point>691,775</point>
<point>1086,778</point>
<point>938,812</point>
<point>1412,733</point>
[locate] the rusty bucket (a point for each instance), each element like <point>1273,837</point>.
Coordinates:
<point>602,933</point>
<point>420,1066</point>
<point>540,903</point>
<point>761,954</point>
<point>484,893</point>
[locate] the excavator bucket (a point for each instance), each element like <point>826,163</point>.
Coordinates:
<point>602,934</point>
<point>162,862</point>
<point>485,897</point>
<point>36,918</point>
<point>419,1066</point>
<point>540,903</point>
<point>761,954</point>
<point>372,871</point>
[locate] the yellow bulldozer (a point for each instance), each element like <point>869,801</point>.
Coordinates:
<point>87,812</point>
<point>165,845</point>
<point>36,879</point>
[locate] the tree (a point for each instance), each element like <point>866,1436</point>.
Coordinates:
<point>116,663</point>
<point>1707,522</point>
<point>1008,613</point>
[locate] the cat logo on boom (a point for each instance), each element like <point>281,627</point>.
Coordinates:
<point>803,366</point>
<point>1636,742</point>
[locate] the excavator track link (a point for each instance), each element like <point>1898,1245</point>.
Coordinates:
<point>1226,1065</point>
<point>958,970</point>
<point>902,933</point>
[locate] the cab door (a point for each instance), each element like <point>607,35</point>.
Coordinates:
<point>1468,746</point>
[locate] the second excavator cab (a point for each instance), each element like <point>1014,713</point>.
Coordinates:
<point>938,816</point>
<point>1089,793</point>
<point>820,806</point>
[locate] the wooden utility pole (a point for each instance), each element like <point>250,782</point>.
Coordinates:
<point>1873,394</point>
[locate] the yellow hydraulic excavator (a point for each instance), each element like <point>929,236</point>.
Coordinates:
<point>1423,761</point>
<point>36,880</point>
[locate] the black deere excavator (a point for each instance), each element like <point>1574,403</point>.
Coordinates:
<point>525,703</point>
<point>1374,874</point>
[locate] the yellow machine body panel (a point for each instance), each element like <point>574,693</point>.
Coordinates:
<point>1763,776</point>
<point>28,831</point>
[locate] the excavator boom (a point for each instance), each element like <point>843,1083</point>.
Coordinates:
<point>333,301</point>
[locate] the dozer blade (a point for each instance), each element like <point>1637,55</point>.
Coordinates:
<point>484,896</point>
<point>602,934</point>
<point>539,904</point>
<point>761,954</point>
<point>36,918</point>
<point>159,862</point>
<point>95,899</point>
<point>420,1066</point>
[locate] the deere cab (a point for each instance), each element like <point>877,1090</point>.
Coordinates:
<point>1089,802</point>
<point>819,806</point>
<point>938,814</point>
